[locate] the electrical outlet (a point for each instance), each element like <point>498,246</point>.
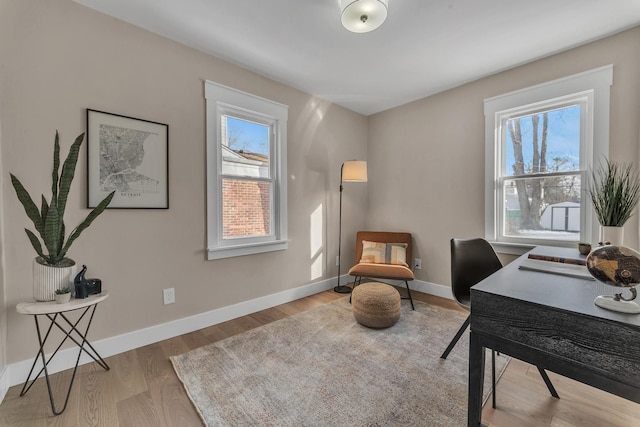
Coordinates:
<point>337,260</point>
<point>169,296</point>
<point>417,263</point>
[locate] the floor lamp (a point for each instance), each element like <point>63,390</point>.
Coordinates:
<point>351,171</point>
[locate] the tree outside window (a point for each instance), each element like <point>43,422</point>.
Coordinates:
<point>539,143</point>
<point>542,174</point>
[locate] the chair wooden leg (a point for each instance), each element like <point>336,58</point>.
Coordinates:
<point>409,293</point>
<point>547,381</point>
<point>356,282</point>
<point>456,338</point>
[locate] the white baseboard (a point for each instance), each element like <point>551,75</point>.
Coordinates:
<point>4,382</point>
<point>432,289</point>
<point>16,372</point>
<point>65,359</point>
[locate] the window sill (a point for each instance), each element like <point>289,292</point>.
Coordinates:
<point>511,248</point>
<point>250,249</point>
<point>522,248</point>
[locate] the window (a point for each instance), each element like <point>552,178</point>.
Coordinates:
<point>246,173</point>
<point>540,143</point>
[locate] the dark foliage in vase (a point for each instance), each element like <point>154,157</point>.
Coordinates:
<point>615,192</point>
<point>48,220</point>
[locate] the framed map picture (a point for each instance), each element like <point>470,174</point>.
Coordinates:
<point>129,156</point>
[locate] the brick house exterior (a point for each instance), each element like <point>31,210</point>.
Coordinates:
<point>246,207</point>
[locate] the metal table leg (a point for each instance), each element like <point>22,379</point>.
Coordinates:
<point>82,335</point>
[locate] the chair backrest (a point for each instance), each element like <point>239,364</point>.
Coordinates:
<point>383,237</point>
<point>472,260</point>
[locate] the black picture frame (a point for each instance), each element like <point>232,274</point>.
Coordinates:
<point>129,156</point>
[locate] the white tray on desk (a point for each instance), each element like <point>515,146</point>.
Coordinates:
<point>551,267</point>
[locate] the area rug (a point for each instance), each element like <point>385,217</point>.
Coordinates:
<point>321,368</point>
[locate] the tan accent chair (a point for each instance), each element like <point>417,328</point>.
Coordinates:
<point>383,271</point>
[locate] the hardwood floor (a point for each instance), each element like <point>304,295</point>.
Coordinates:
<point>141,389</point>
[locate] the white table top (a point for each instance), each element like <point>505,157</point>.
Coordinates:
<point>51,307</point>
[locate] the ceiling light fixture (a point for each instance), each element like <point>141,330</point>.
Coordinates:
<point>362,16</point>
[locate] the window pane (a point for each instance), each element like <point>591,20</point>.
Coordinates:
<point>543,208</point>
<point>245,148</point>
<point>548,141</point>
<point>246,208</point>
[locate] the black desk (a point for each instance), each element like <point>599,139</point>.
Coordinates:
<point>551,321</point>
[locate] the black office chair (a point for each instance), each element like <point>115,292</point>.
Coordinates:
<point>472,260</point>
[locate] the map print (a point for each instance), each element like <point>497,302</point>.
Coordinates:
<point>121,152</point>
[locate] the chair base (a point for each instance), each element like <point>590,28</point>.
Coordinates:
<point>455,339</point>
<point>547,381</point>
<point>542,372</point>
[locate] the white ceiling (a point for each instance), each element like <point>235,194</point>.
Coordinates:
<point>424,47</point>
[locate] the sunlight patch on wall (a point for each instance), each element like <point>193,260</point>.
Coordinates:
<point>316,230</point>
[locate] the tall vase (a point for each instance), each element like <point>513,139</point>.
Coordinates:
<point>613,235</point>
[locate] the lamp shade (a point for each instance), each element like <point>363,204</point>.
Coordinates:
<point>361,16</point>
<point>354,171</point>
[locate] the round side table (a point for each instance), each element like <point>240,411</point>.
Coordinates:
<point>58,316</point>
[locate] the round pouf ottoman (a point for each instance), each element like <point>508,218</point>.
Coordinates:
<point>376,305</point>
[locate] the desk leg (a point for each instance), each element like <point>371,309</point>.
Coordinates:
<point>476,380</point>
<point>82,335</point>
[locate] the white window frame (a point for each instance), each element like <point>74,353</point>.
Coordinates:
<point>591,89</point>
<point>223,100</point>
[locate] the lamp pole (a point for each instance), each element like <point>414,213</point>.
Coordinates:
<point>340,289</point>
<point>355,171</point>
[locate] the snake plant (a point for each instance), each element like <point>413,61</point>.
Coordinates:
<point>49,219</point>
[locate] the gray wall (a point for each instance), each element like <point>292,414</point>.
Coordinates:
<point>426,166</point>
<point>426,158</point>
<point>59,58</point>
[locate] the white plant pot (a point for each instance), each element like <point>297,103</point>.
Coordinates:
<point>614,235</point>
<point>47,279</point>
<point>63,298</point>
